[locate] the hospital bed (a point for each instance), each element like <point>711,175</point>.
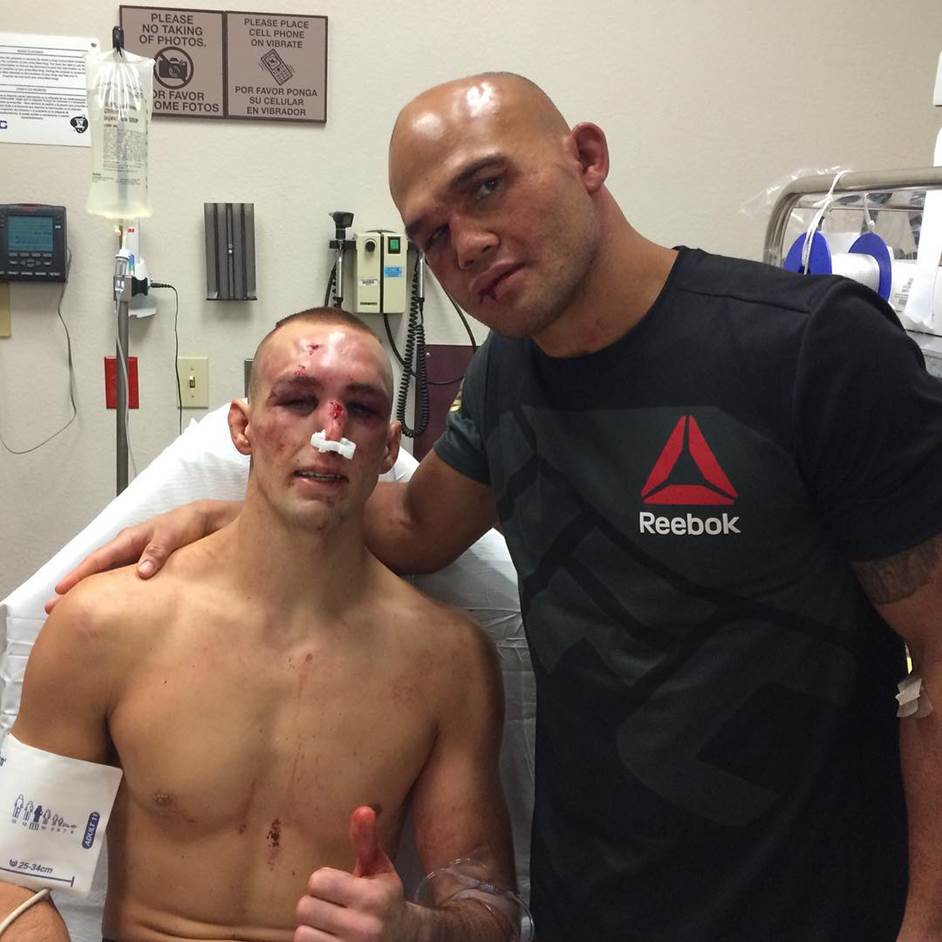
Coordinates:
<point>202,463</point>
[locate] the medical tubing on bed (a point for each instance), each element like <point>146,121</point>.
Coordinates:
<point>35,898</point>
<point>414,352</point>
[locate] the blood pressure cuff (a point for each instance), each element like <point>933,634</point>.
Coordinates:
<point>53,815</point>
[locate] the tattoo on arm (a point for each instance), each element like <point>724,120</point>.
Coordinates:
<point>897,577</point>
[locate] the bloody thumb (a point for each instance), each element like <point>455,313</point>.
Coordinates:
<point>371,859</point>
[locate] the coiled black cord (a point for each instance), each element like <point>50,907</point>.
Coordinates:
<point>332,285</point>
<point>414,354</point>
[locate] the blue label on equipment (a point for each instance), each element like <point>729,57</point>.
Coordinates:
<point>90,830</point>
<point>392,271</point>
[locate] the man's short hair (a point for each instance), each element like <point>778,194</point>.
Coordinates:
<point>314,315</point>
<point>322,315</point>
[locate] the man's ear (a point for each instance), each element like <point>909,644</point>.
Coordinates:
<point>239,413</point>
<point>393,438</point>
<point>590,148</point>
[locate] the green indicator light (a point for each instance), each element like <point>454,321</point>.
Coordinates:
<point>394,245</point>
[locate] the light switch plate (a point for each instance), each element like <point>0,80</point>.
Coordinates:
<point>194,382</point>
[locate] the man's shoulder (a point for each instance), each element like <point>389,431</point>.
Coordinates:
<point>117,603</point>
<point>445,630</point>
<point>740,280</point>
<point>769,312</point>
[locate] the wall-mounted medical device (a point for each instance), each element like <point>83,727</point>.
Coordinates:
<point>32,242</point>
<point>381,272</point>
<point>230,251</point>
<point>343,220</point>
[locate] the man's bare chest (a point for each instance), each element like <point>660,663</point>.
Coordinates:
<point>222,737</point>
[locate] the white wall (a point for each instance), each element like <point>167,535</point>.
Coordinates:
<point>704,103</point>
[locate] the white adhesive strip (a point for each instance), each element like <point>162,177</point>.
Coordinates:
<point>912,698</point>
<point>344,447</point>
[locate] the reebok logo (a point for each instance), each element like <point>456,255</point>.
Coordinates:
<point>688,439</point>
<point>689,525</point>
<point>687,455</point>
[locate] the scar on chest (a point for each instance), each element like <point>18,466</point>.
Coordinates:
<point>274,833</point>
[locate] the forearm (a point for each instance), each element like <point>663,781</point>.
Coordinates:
<point>217,513</point>
<point>394,532</point>
<point>465,920</point>
<point>41,922</point>
<point>426,523</point>
<point>921,753</point>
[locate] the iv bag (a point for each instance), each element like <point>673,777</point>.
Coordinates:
<point>120,101</point>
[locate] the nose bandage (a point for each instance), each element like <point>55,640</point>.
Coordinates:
<point>344,447</point>
<point>53,815</point>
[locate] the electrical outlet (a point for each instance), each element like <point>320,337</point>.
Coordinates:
<point>194,382</point>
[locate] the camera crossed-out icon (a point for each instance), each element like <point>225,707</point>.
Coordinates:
<point>174,67</point>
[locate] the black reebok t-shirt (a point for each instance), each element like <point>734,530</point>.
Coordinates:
<point>716,736</point>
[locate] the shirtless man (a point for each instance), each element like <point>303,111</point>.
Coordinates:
<point>279,695</point>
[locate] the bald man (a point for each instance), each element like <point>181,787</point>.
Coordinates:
<point>278,697</point>
<point>720,487</point>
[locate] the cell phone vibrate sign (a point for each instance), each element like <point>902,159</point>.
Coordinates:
<point>232,64</point>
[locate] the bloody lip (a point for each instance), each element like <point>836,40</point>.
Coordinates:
<point>496,288</point>
<point>491,283</point>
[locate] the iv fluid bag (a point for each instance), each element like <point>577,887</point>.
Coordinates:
<point>120,102</point>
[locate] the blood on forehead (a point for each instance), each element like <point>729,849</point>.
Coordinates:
<point>358,355</point>
<point>305,347</point>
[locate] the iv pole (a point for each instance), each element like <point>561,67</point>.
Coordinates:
<point>122,298</point>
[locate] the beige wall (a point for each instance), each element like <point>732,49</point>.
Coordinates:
<point>704,104</point>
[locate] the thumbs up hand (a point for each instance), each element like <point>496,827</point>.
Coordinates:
<point>366,905</point>
<point>371,858</point>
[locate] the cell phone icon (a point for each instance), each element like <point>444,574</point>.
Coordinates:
<point>279,69</point>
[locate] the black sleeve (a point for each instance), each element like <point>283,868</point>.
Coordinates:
<point>868,423</point>
<point>461,445</point>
